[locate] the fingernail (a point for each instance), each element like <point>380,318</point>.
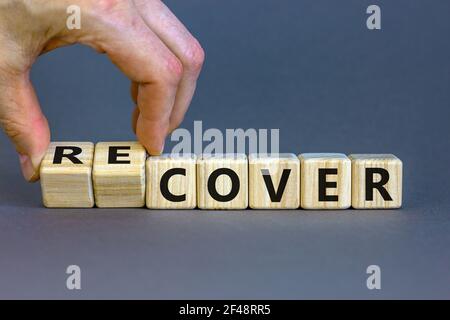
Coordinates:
<point>29,172</point>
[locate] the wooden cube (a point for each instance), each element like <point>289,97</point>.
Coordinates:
<point>171,182</point>
<point>376,181</point>
<point>66,175</point>
<point>325,181</point>
<point>222,181</point>
<point>119,174</point>
<point>274,181</point>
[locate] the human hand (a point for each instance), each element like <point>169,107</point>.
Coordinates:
<point>141,37</point>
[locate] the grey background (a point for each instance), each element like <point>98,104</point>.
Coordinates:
<point>310,68</point>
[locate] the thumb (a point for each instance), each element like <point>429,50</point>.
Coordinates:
<point>22,120</point>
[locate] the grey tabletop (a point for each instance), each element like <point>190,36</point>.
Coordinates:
<point>311,69</point>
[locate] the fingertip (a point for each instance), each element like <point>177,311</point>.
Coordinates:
<point>154,148</point>
<point>30,168</point>
<point>32,149</point>
<point>151,135</point>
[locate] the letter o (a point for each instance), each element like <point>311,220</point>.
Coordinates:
<point>235,185</point>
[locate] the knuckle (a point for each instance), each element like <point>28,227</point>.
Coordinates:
<point>193,56</point>
<point>106,5</point>
<point>110,13</point>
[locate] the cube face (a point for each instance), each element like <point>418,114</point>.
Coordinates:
<point>376,181</point>
<point>222,181</point>
<point>66,175</point>
<point>119,174</point>
<point>171,182</point>
<point>274,181</point>
<point>325,181</point>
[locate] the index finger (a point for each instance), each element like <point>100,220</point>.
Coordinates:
<point>146,60</point>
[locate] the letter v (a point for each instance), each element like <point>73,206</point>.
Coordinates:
<point>275,196</point>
